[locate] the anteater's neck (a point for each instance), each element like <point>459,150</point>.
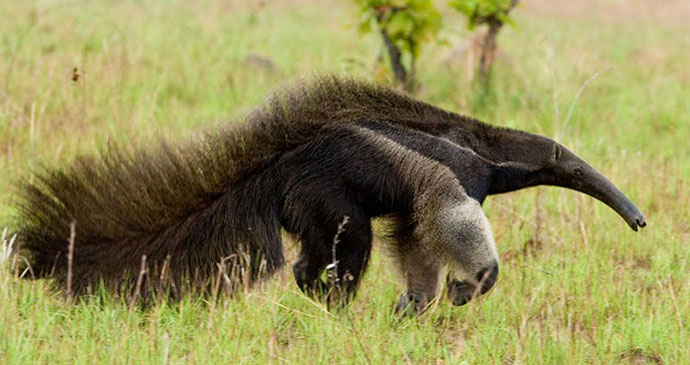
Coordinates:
<point>516,157</point>
<point>512,176</point>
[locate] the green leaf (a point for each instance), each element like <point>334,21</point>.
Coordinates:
<point>408,23</point>
<point>400,25</point>
<point>481,11</point>
<point>506,19</point>
<point>364,27</point>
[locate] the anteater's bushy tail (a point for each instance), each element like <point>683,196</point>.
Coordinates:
<point>187,209</point>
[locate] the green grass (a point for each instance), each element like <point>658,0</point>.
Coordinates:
<point>576,285</point>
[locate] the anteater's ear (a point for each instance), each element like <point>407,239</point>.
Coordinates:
<point>556,152</point>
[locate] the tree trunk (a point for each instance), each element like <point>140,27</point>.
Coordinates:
<point>489,48</point>
<point>396,60</point>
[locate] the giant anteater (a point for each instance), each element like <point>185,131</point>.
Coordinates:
<point>316,152</point>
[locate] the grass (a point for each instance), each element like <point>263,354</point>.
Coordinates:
<point>576,285</point>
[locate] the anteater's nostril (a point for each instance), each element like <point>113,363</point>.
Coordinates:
<point>487,278</point>
<point>640,222</point>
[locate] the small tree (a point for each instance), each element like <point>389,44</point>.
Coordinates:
<point>493,13</point>
<point>403,26</point>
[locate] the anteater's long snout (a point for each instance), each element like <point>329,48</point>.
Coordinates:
<point>598,186</point>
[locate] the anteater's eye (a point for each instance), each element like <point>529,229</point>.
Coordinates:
<point>578,171</point>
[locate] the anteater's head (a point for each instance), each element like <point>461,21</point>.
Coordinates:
<point>564,168</point>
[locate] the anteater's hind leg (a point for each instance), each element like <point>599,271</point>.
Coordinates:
<point>352,248</point>
<point>317,224</point>
<point>352,251</point>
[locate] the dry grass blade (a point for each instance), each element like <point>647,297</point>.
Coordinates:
<point>671,290</point>
<point>551,236</point>
<point>140,281</point>
<point>525,316</point>
<point>478,289</point>
<point>577,96</point>
<point>7,246</point>
<point>333,266</point>
<point>70,261</point>
<point>335,285</point>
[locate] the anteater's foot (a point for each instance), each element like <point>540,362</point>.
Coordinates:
<point>412,303</point>
<point>459,292</point>
<point>335,298</point>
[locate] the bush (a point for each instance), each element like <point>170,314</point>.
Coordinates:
<point>493,13</point>
<point>403,25</point>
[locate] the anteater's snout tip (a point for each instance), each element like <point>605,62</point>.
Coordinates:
<point>639,222</point>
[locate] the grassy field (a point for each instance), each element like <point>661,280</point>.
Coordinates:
<point>576,285</point>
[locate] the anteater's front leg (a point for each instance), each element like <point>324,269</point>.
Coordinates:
<point>419,265</point>
<point>454,233</point>
<point>473,260</point>
<point>422,278</point>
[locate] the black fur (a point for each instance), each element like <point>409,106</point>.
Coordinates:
<point>314,153</point>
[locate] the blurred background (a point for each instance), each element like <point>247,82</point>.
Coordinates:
<point>609,79</point>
